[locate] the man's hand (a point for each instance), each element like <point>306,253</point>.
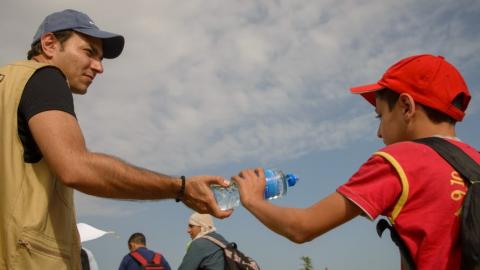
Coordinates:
<point>199,197</point>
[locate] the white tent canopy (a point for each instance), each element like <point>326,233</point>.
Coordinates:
<point>88,232</point>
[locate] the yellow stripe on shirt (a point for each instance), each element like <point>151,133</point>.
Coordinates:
<point>404,181</point>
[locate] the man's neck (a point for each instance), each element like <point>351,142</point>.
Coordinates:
<point>137,246</point>
<point>41,59</point>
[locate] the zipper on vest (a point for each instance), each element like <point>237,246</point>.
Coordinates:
<point>26,244</point>
<point>30,246</point>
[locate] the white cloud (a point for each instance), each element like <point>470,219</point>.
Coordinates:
<point>205,81</point>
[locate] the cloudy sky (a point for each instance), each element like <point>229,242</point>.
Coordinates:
<point>211,87</point>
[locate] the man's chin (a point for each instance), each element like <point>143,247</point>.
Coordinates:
<point>77,91</point>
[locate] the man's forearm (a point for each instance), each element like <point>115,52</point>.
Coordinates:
<point>107,176</point>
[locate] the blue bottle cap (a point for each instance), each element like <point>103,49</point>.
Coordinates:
<point>291,179</point>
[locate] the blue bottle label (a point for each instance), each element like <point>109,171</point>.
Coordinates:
<point>271,185</point>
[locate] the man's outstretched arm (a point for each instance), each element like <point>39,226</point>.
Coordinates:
<point>62,144</point>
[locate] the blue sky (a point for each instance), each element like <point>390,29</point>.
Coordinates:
<point>211,87</point>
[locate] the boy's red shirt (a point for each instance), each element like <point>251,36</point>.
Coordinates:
<point>420,193</point>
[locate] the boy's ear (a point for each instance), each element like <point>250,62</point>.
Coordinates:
<point>407,105</point>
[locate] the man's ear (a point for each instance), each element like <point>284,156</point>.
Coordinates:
<point>407,105</point>
<point>49,44</point>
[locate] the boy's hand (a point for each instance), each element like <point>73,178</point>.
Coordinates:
<point>199,197</point>
<point>251,185</point>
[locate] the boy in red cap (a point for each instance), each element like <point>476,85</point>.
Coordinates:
<point>421,96</point>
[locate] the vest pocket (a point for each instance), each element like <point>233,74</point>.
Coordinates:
<point>35,251</point>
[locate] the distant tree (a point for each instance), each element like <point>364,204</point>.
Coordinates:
<point>307,263</point>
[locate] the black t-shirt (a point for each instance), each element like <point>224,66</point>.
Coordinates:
<point>46,90</point>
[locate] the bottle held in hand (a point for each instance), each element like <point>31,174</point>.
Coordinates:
<point>276,186</point>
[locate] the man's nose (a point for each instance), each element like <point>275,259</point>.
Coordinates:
<point>97,66</point>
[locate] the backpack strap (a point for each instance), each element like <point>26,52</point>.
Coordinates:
<point>157,258</point>
<point>139,258</point>
<point>458,159</point>
<point>216,241</point>
<point>407,260</point>
<point>219,243</point>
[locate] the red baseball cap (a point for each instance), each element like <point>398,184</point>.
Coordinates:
<point>429,79</point>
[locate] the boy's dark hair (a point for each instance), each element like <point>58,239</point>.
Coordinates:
<point>137,238</point>
<point>36,48</point>
<point>391,97</point>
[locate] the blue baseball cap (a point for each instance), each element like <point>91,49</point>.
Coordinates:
<point>77,21</point>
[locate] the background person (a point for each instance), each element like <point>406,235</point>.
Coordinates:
<point>203,253</point>
<point>137,242</point>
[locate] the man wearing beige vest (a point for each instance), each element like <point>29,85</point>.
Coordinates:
<point>43,156</point>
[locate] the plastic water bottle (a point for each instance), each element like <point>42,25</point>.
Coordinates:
<point>276,186</point>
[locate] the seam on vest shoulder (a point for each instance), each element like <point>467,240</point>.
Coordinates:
<point>403,180</point>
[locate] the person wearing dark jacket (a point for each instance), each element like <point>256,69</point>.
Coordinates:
<point>201,252</point>
<point>137,243</point>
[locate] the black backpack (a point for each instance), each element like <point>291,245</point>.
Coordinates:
<point>145,264</point>
<point>234,258</point>
<point>469,169</point>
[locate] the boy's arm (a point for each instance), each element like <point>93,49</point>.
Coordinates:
<point>297,224</point>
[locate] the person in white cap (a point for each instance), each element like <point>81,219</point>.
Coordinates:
<point>43,155</point>
<point>202,253</point>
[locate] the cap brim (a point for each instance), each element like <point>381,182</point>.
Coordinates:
<point>367,91</point>
<point>112,43</point>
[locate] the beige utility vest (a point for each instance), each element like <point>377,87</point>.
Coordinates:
<point>37,215</point>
